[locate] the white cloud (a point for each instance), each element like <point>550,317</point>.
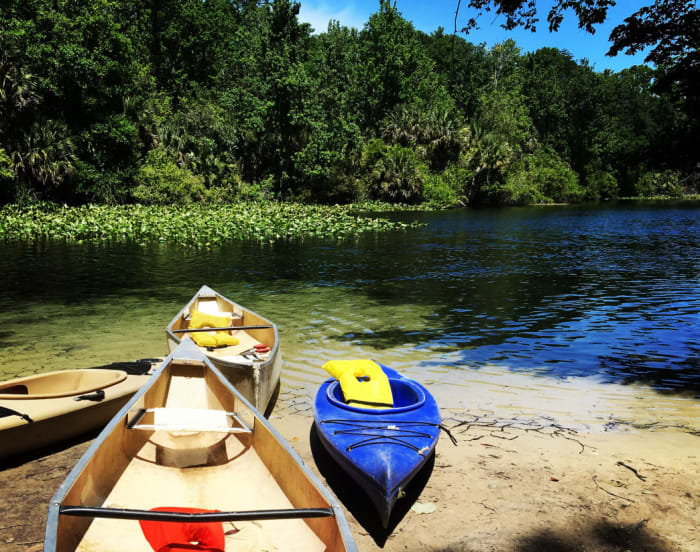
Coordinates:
<point>319,12</point>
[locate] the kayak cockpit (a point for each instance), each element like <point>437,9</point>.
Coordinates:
<point>406,394</point>
<point>60,384</point>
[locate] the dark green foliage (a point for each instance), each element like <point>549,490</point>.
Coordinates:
<point>434,133</point>
<point>663,183</point>
<point>669,30</point>
<point>461,66</point>
<point>396,69</point>
<point>328,163</point>
<point>165,101</point>
<point>601,184</point>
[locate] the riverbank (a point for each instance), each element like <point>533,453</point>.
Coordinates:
<point>520,484</point>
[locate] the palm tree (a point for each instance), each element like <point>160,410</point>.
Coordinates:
<point>17,92</point>
<point>397,177</point>
<point>443,136</point>
<point>400,126</point>
<point>486,154</point>
<point>44,156</point>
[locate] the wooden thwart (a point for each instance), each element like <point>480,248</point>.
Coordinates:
<point>194,427</point>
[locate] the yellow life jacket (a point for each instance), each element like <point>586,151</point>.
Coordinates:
<point>363,382</point>
<point>217,339</point>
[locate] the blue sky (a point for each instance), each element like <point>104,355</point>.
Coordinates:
<point>428,15</point>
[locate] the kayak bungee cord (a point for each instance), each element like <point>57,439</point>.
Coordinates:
<point>365,428</point>
<point>384,439</point>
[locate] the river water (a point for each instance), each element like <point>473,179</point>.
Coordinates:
<point>582,312</point>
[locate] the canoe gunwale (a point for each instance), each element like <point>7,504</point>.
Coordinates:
<point>192,355</point>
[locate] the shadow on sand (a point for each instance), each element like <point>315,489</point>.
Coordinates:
<point>50,450</point>
<point>354,498</point>
<point>599,536</point>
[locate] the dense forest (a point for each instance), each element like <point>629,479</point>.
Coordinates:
<point>173,101</point>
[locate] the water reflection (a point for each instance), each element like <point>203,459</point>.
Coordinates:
<point>610,292</point>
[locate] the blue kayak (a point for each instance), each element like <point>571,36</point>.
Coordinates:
<point>381,449</point>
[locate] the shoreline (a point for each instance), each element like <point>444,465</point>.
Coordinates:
<point>512,483</point>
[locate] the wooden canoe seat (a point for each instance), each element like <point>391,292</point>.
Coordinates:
<point>189,420</point>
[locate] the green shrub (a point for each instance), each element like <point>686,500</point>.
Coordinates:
<point>561,184</point>
<point>220,194</point>
<point>373,151</point>
<point>162,182</point>
<point>602,185</point>
<point>257,191</point>
<point>446,189</point>
<point>659,183</point>
<point>6,171</point>
<point>518,189</point>
<point>539,177</point>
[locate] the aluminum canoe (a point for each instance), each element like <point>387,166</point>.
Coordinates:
<point>255,374</point>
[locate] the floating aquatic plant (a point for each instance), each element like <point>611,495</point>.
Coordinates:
<point>200,225</point>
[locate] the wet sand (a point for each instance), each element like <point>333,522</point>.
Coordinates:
<point>518,480</point>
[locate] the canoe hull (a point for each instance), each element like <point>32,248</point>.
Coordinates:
<point>381,450</point>
<point>57,417</point>
<point>257,380</point>
<point>188,439</point>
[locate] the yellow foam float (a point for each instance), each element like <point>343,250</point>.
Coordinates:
<point>362,381</point>
<point>218,339</point>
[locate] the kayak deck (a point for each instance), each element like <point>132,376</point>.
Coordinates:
<point>381,449</point>
<point>30,422</point>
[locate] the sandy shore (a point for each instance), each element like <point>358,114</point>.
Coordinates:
<point>518,483</point>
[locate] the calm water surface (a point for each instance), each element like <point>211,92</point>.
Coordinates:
<point>519,299</point>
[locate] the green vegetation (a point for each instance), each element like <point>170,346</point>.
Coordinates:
<point>184,102</point>
<point>194,225</point>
